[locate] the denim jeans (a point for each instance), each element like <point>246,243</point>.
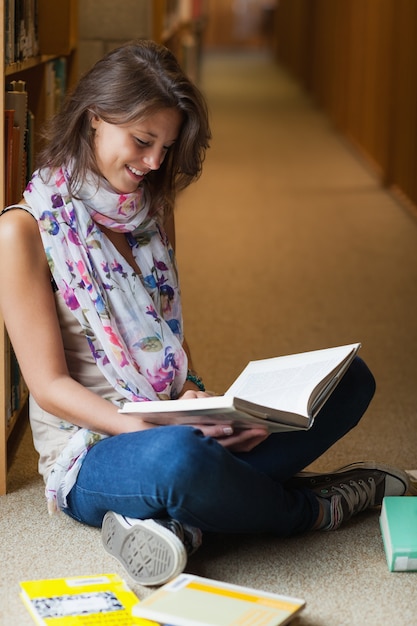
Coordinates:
<point>175,471</point>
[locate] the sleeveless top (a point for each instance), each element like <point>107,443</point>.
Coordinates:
<point>50,433</point>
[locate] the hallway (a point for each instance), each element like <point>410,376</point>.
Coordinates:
<point>286,244</point>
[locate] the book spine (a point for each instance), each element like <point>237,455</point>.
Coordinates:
<point>16,99</point>
<point>21,30</point>
<point>8,156</point>
<point>9,32</point>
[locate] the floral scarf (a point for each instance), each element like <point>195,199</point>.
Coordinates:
<point>133,323</point>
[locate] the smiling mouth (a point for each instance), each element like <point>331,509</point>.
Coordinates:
<point>135,171</point>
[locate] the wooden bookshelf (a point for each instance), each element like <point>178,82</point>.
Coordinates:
<point>57,28</point>
<point>179,25</point>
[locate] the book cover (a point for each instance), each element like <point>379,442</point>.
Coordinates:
<point>398,523</point>
<point>81,601</point>
<point>190,600</point>
<point>412,475</point>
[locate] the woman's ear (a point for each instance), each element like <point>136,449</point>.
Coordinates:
<point>94,120</point>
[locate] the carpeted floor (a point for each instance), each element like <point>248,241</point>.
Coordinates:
<point>287,243</point>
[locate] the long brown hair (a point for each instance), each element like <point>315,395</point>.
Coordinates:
<point>128,84</point>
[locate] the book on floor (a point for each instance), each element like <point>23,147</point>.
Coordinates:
<point>190,600</point>
<point>281,393</point>
<point>81,601</point>
<point>412,476</point>
<point>398,523</point>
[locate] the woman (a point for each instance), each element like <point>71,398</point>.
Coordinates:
<point>90,297</point>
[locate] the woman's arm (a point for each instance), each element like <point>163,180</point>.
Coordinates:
<point>28,307</point>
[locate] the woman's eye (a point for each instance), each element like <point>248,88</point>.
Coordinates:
<point>140,142</point>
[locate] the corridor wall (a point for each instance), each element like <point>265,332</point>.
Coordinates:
<point>358,60</point>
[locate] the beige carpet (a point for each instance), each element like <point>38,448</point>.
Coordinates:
<point>286,244</point>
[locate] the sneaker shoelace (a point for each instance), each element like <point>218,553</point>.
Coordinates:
<point>351,498</point>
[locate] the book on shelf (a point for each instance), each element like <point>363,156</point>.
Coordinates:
<point>190,600</point>
<point>9,156</point>
<point>30,145</point>
<point>81,601</point>
<point>18,389</point>
<point>412,476</point>
<point>20,126</point>
<point>21,30</point>
<point>7,380</point>
<point>281,393</point>
<point>16,392</point>
<point>55,85</point>
<point>9,32</point>
<point>60,81</point>
<point>398,522</point>
<point>16,100</point>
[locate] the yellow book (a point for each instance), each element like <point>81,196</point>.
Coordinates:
<point>81,601</point>
<point>191,600</point>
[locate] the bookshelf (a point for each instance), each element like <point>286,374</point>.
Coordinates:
<point>42,60</point>
<point>179,25</point>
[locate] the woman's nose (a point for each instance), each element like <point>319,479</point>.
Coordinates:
<point>153,158</point>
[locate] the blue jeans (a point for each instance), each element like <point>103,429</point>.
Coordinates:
<point>175,471</point>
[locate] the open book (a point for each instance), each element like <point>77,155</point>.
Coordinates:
<point>281,393</point>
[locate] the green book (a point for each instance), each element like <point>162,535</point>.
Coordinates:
<point>399,532</point>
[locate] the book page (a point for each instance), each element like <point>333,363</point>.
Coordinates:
<point>287,383</point>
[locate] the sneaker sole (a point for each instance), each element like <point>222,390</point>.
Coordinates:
<point>393,475</point>
<point>151,554</point>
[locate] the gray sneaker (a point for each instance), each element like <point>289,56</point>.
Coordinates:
<point>152,551</point>
<point>353,488</point>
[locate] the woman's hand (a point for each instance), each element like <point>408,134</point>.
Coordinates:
<point>193,392</point>
<point>235,439</point>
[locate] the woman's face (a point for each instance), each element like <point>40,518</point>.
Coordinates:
<point>126,153</point>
